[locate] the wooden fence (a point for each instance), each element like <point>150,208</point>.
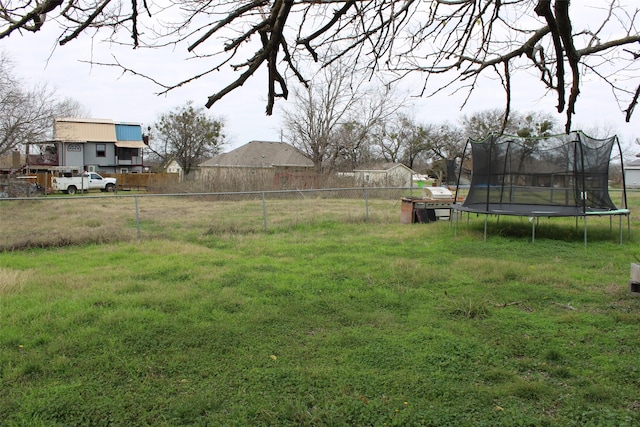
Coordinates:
<point>126,181</point>
<point>142,181</point>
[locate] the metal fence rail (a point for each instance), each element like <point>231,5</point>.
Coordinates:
<point>96,218</point>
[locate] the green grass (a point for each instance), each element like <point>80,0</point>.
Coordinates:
<point>323,323</point>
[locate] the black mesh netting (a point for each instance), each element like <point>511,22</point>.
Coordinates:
<point>562,175</point>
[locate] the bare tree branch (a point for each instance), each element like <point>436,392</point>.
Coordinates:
<point>543,9</point>
<point>632,105</point>
<point>228,20</point>
<point>30,20</point>
<point>564,29</point>
<point>88,22</point>
<point>462,40</point>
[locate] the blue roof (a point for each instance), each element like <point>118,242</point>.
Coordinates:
<point>128,132</point>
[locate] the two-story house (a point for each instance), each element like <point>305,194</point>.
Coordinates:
<point>95,145</point>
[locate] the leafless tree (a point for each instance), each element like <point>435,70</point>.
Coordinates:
<point>26,114</point>
<point>402,140</point>
<point>341,105</point>
<point>444,146</point>
<point>457,40</point>
<point>354,146</point>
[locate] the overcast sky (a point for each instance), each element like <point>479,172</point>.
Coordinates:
<point>108,94</point>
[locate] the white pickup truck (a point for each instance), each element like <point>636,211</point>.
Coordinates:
<point>86,181</point>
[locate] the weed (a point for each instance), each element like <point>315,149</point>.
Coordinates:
<point>468,308</point>
<point>528,390</point>
<point>553,355</point>
<point>596,393</point>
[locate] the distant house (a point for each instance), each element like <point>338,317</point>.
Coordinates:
<point>632,174</point>
<point>266,164</point>
<point>95,145</point>
<point>172,166</point>
<point>385,175</point>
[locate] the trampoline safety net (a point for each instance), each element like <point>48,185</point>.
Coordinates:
<point>561,175</point>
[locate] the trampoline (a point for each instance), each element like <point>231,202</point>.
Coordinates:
<point>556,176</point>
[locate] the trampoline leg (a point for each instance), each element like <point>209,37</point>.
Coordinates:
<point>620,230</point>
<point>485,228</point>
<point>533,231</point>
<point>585,231</point>
<point>455,227</point>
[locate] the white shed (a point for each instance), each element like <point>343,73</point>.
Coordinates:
<point>632,174</point>
<point>385,175</point>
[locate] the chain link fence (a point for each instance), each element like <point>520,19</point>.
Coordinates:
<point>55,221</point>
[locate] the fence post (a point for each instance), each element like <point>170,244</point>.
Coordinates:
<point>264,212</point>
<point>366,203</point>
<point>137,219</point>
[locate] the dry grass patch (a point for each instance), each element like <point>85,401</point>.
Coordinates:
<point>63,221</point>
<point>12,281</point>
<point>59,222</point>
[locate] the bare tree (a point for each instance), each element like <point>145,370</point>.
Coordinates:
<point>187,135</point>
<point>26,114</point>
<point>445,145</point>
<point>461,40</point>
<point>402,140</point>
<point>354,146</point>
<point>341,105</point>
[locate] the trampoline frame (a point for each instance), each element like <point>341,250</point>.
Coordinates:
<point>534,219</point>
<point>535,211</point>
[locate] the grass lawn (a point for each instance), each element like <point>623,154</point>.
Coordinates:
<point>324,323</point>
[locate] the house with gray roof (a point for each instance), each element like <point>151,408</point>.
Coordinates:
<point>261,165</point>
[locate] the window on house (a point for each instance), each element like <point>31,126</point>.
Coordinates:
<point>126,153</point>
<point>101,150</point>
